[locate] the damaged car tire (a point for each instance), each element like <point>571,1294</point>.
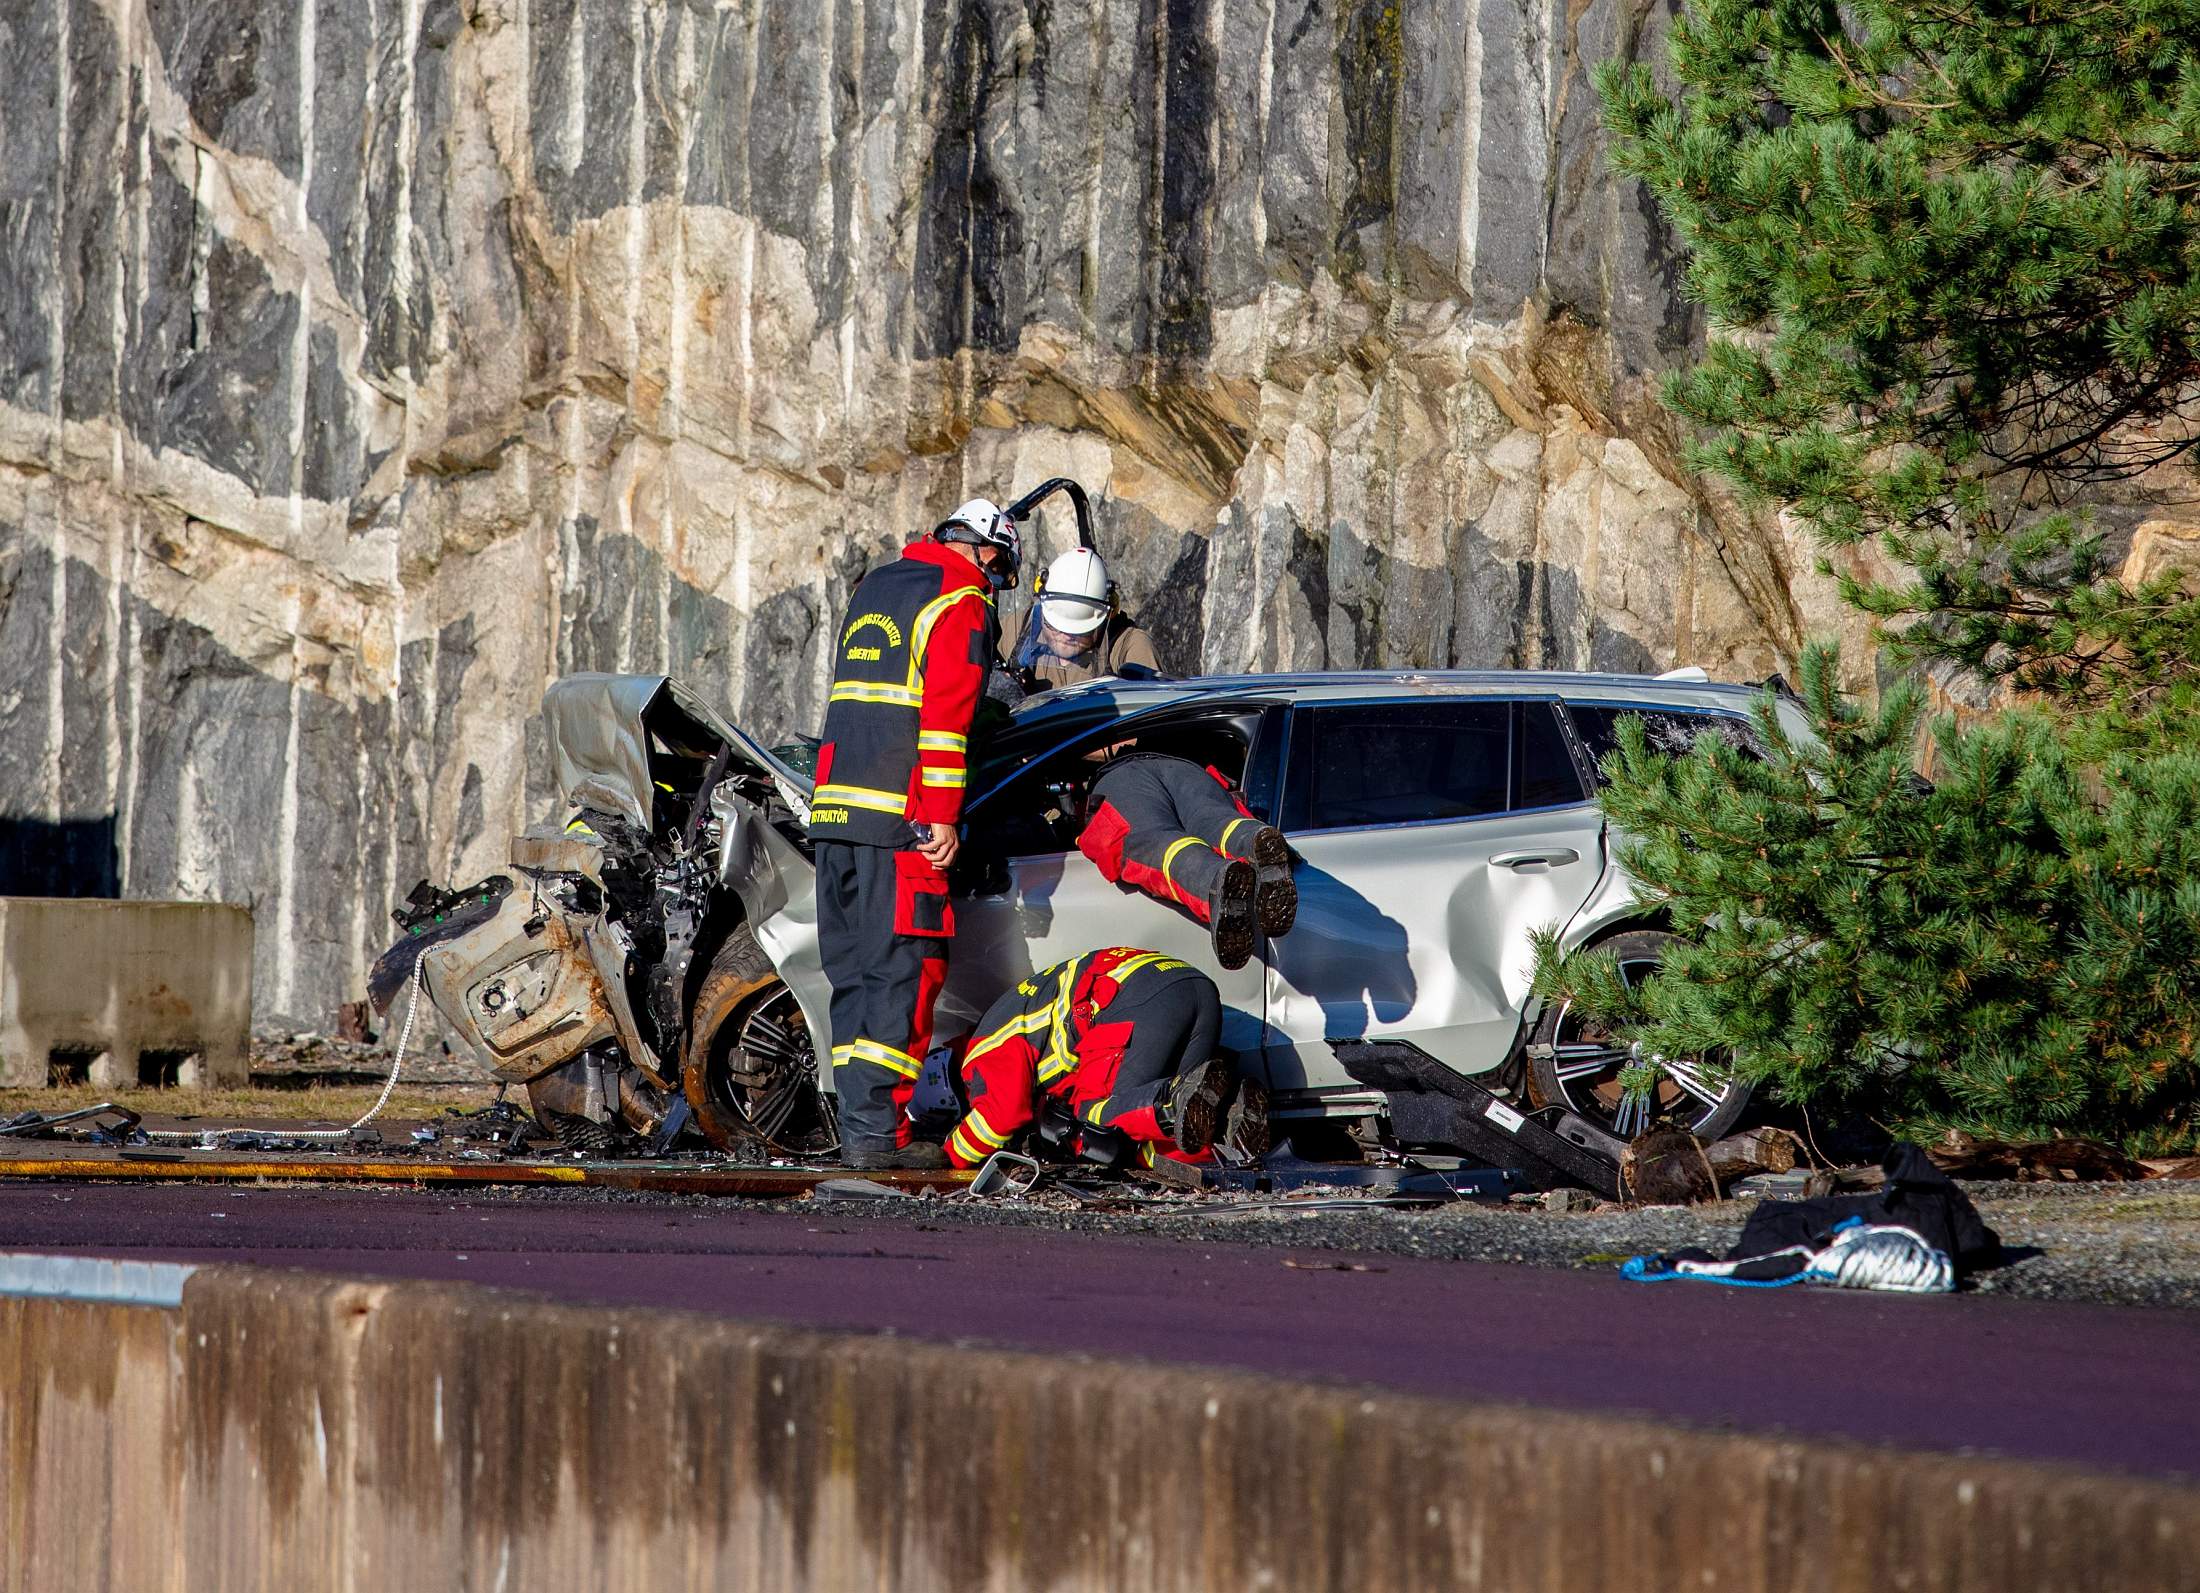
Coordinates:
<point>750,1073</point>
<point>1573,1064</point>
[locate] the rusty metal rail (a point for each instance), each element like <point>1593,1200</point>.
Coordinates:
<point>72,1163</point>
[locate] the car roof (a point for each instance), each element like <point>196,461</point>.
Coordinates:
<point>1126,697</point>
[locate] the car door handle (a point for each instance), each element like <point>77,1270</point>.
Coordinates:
<point>1556,857</point>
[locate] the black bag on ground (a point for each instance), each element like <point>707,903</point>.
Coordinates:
<point>1792,1241</point>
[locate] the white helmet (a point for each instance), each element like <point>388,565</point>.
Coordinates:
<point>1075,595</point>
<point>981,523</point>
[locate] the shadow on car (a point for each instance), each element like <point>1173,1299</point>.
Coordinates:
<point>1345,953</point>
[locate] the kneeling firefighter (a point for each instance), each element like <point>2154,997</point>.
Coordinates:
<point>1125,1039</point>
<point>1181,834</point>
<point>910,661</point>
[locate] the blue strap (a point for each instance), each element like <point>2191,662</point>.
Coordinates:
<point>1644,1269</point>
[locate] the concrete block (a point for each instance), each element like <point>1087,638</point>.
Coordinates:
<point>128,992</point>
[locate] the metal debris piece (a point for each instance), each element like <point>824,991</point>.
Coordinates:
<point>37,1125</point>
<point>856,1189</point>
<point>1005,1173</point>
<point>1284,1170</point>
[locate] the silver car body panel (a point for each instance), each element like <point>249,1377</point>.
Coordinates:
<point>1421,930</point>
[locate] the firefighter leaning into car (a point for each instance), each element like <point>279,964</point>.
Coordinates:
<point>1126,1040</point>
<point>909,663</point>
<point>1075,630</point>
<point>1181,834</point>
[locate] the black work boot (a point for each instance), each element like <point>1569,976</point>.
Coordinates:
<point>1230,914</point>
<point>916,1157</point>
<point>1245,1128</point>
<point>1195,1106</point>
<point>1275,893</point>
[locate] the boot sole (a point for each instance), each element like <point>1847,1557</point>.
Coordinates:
<point>1275,893</point>
<point>1234,916</point>
<point>1200,1117</point>
<point>1245,1130</point>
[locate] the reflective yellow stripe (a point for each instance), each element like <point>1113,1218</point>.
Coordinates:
<point>879,1055</point>
<point>1150,959</point>
<point>1023,1023</point>
<point>861,796</point>
<point>1168,860</point>
<point>1229,830</point>
<point>579,827</point>
<point>929,616</point>
<point>976,1124</point>
<point>963,1147</point>
<point>1092,1112</point>
<point>941,741</point>
<point>953,779</point>
<point>875,691</point>
<point>1060,1059</point>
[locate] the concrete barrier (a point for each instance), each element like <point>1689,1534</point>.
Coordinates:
<point>287,1432</point>
<point>124,992</point>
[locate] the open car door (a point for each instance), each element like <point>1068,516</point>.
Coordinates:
<point>1027,898</point>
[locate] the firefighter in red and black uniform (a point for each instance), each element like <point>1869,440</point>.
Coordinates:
<point>1126,1039</point>
<point>1180,834</point>
<point>910,662</point>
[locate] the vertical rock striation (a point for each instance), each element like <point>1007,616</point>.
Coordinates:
<point>365,364</point>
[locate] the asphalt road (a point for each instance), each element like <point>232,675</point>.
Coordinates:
<point>2096,1385</point>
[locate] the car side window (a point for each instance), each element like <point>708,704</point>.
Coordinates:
<point>1544,775</point>
<point>1040,808</point>
<point>1358,764</point>
<point>1669,730</point>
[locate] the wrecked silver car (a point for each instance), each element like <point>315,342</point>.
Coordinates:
<point>650,967</point>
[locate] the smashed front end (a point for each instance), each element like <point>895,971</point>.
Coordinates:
<point>575,973</point>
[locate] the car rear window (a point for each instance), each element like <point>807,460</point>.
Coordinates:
<point>1670,730</point>
<point>1398,763</point>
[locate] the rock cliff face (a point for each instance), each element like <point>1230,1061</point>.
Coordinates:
<point>365,364</point>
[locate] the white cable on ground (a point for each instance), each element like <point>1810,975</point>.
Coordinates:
<point>397,1063</point>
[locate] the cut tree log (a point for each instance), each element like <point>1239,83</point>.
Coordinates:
<point>1667,1167</point>
<point>1962,1155</point>
<point>1755,1150</point>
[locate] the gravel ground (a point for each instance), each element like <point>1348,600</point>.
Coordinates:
<point>2116,1244</point>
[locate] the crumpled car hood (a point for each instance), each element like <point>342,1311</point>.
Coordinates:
<point>599,740</point>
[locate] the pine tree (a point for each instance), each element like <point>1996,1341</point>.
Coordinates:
<point>2009,949</point>
<point>1951,253</point>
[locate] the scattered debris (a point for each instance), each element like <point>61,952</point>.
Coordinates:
<point>1296,1265</point>
<point>1961,1155</point>
<point>1801,1184</point>
<point>1668,1167</point>
<point>293,1060</point>
<point>1566,1201</point>
<point>1005,1173</point>
<point>96,1130</point>
<point>856,1189</point>
<point>1917,1234</point>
